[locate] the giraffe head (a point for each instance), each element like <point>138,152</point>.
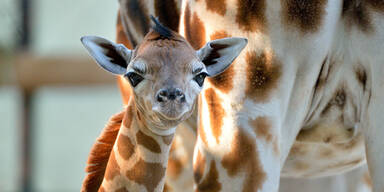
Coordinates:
<point>166,74</point>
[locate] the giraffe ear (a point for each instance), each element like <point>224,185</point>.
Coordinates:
<point>110,56</point>
<point>218,54</point>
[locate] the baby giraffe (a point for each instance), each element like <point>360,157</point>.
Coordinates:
<point>166,75</point>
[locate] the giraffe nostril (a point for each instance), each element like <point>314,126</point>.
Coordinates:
<point>159,98</point>
<point>163,93</point>
<point>179,93</point>
<point>182,98</point>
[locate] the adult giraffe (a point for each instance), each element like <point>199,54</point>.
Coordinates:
<point>301,101</point>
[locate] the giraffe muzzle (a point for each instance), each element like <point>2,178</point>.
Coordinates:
<point>170,94</point>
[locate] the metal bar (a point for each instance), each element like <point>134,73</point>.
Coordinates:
<point>26,142</point>
<point>24,45</point>
<point>25,7</point>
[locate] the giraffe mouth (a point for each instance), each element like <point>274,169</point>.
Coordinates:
<point>171,111</point>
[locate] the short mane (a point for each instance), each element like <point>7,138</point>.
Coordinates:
<point>100,152</point>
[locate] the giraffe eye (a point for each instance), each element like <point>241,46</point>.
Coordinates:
<point>134,78</point>
<point>199,78</point>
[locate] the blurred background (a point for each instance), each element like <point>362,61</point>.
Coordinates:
<point>54,100</point>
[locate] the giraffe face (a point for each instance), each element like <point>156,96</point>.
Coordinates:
<point>166,74</point>
<point>166,77</point>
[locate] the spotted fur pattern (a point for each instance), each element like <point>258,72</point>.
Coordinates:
<point>138,159</point>
<point>301,101</point>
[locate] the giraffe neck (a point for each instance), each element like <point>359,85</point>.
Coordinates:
<point>139,157</point>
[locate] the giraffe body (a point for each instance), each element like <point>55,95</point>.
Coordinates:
<point>302,100</point>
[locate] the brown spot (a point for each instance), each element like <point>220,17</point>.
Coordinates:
<point>367,179</point>
<point>168,139</point>
<point>137,12</point>
<point>148,142</point>
<point>175,166</point>
<point>198,167</point>
<point>262,128</point>
<point>168,13</point>
<point>194,29</point>
<point>251,15</point>
<point>356,13</point>
<point>210,182</point>
<point>147,174</point>
<point>224,81</point>
<point>244,157</point>
<point>201,131</point>
<point>113,168</point>
<point>361,76</point>
<point>216,112</point>
<point>217,6</point>
<point>327,139</point>
<point>122,190</point>
<point>125,147</point>
<point>263,73</point>
<point>307,15</point>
